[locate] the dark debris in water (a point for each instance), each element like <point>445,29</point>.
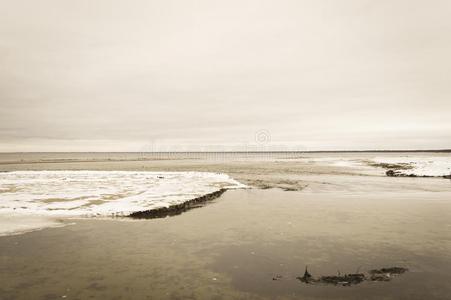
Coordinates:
<point>277,277</point>
<point>345,280</point>
<point>384,274</point>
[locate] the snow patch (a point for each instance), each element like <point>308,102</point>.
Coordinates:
<point>420,166</point>
<point>98,193</point>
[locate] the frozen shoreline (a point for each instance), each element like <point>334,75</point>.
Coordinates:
<point>34,199</point>
<point>418,166</point>
<point>13,224</point>
<point>67,192</point>
<point>413,165</point>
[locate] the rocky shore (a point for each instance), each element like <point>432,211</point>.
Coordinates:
<point>395,173</point>
<point>177,209</point>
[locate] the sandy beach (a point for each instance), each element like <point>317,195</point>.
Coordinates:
<point>248,243</point>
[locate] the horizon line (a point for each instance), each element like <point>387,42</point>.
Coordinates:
<point>239,151</point>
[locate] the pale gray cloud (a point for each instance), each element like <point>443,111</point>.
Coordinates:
<point>319,74</point>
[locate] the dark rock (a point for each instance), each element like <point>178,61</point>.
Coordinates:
<point>384,274</point>
<point>345,280</point>
<point>177,209</point>
<point>307,278</point>
<point>392,271</point>
<point>390,173</point>
<point>394,173</point>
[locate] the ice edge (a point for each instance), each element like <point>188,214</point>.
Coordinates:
<point>176,209</point>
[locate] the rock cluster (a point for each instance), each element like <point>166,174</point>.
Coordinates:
<point>177,209</point>
<point>384,274</point>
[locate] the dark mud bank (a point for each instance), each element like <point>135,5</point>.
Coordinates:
<point>177,209</point>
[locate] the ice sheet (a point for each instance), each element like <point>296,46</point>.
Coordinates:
<point>420,165</point>
<point>13,223</point>
<point>101,193</point>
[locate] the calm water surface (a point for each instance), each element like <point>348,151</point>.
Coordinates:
<point>233,247</point>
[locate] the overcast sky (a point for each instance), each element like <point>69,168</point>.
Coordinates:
<point>109,75</point>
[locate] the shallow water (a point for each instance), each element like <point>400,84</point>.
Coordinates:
<point>233,247</point>
<point>341,217</point>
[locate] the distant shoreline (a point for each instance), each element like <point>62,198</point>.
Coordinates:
<point>238,152</point>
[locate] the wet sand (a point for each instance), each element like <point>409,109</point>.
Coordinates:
<point>342,220</point>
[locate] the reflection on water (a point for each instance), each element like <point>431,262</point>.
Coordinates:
<point>232,248</point>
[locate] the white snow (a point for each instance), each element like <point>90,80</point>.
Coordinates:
<point>421,165</point>
<point>98,193</point>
